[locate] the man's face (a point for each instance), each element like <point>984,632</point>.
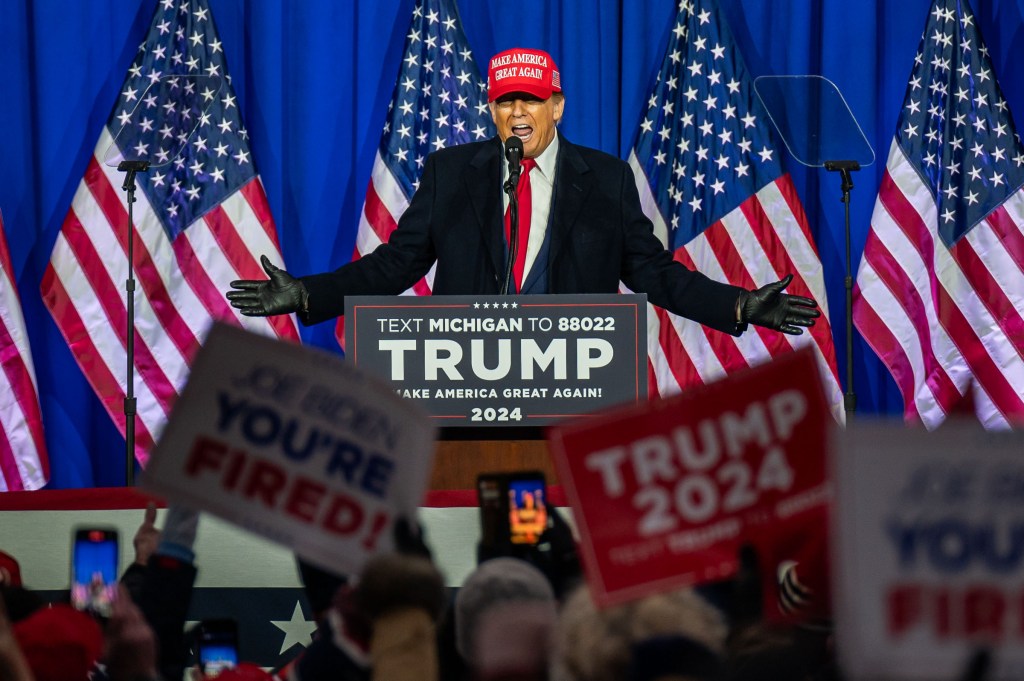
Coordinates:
<point>529,118</point>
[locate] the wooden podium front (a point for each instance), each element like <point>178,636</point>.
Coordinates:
<point>458,462</point>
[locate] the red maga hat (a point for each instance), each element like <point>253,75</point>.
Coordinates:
<point>522,70</point>
<point>59,643</point>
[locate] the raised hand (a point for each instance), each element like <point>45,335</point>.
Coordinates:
<point>280,294</point>
<point>768,306</point>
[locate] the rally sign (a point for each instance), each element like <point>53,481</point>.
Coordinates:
<point>666,493</point>
<point>929,534</point>
<point>295,445</point>
<point>503,361</point>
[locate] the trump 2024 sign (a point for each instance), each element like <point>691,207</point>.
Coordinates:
<point>665,494</point>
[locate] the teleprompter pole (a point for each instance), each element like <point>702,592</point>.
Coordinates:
<point>844,168</point>
<point>130,168</point>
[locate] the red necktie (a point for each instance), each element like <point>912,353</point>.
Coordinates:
<point>525,195</point>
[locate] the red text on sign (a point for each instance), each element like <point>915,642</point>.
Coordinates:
<point>297,496</point>
<point>972,612</point>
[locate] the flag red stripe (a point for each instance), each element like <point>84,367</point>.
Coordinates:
<point>195,274</point>
<point>992,296</point>
<point>254,195</point>
<point>20,380</point>
<point>906,217</point>
<point>421,287</point>
<point>8,466</point>
<point>5,254</point>
<point>241,258</point>
<point>88,356</point>
<point>722,345</point>
<point>113,304</point>
<point>902,288</point>
<point>736,272</point>
<point>652,380</point>
<point>232,245</point>
<point>379,218</point>
<point>788,191</point>
<point>145,271</point>
<point>960,331</point>
<point>999,390</point>
<point>1009,234</point>
<point>779,257</point>
<point>878,335</point>
<point>17,370</point>
<point>679,360</point>
<point>683,256</point>
<point>378,215</point>
<point>687,370</point>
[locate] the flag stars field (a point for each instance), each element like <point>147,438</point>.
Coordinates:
<point>439,101</point>
<point>201,221</point>
<point>717,193</point>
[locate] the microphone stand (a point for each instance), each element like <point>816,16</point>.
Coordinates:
<point>513,226</point>
<point>130,168</point>
<point>844,168</point>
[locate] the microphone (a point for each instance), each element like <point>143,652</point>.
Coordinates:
<point>514,154</point>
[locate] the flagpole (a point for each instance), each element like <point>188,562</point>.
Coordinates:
<point>130,168</point>
<point>844,168</point>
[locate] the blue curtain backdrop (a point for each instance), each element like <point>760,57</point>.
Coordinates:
<point>314,78</point>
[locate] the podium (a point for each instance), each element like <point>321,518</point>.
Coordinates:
<point>458,462</point>
<point>494,371</point>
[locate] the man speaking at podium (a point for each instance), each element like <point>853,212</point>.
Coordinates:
<point>581,227</point>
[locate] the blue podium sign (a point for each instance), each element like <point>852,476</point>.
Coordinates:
<point>504,360</point>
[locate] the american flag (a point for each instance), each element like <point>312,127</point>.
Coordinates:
<point>24,464</point>
<point>200,222</point>
<point>940,289</point>
<point>439,101</point>
<point>711,181</point>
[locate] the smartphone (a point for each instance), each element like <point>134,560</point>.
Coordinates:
<point>527,508</point>
<point>94,564</point>
<point>217,643</point>
<point>512,508</point>
<point>490,492</point>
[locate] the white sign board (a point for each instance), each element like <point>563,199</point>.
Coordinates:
<point>295,445</point>
<point>929,538</point>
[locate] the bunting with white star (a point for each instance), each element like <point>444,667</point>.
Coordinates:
<point>710,179</point>
<point>940,289</point>
<point>201,220</point>
<point>439,101</point>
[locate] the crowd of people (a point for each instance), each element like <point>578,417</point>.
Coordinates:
<point>524,614</point>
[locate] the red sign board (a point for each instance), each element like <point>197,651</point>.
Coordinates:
<point>664,494</point>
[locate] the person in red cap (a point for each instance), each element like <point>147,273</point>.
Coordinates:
<point>581,228</point>
<point>10,571</point>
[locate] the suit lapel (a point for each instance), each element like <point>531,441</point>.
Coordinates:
<point>483,184</point>
<point>573,184</point>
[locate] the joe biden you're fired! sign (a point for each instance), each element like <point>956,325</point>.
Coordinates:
<point>295,445</point>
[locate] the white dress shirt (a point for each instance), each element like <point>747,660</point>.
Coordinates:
<point>542,187</point>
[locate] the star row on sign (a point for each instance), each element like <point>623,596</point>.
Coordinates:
<point>495,305</point>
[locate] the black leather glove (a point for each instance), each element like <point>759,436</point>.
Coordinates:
<point>281,294</point>
<point>768,306</point>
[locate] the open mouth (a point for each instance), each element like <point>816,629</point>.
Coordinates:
<point>523,132</point>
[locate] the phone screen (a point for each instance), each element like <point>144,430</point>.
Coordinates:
<point>218,646</point>
<point>490,489</point>
<point>527,512</point>
<point>94,570</point>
